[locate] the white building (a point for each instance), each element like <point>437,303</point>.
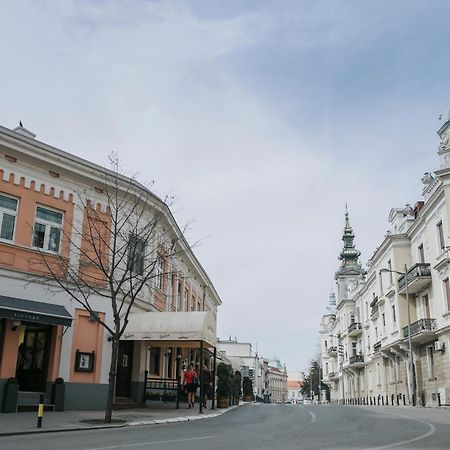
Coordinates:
<point>386,339</point>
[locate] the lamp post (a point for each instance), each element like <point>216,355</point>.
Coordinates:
<point>412,395</point>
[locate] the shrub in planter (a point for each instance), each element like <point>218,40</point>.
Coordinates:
<point>10,394</point>
<point>152,396</point>
<point>247,387</point>
<point>224,387</point>
<point>58,394</point>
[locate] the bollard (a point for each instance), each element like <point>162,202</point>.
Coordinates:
<point>404,400</point>
<point>40,411</point>
<point>398,400</point>
<point>387,400</point>
<point>382,400</point>
<point>439,399</point>
<point>423,398</point>
<point>378,401</point>
<point>392,399</point>
<point>413,400</point>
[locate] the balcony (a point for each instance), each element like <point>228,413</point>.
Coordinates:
<point>332,351</point>
<point>377,347</point>
<point>421,330</point>
<point>333,376</point>
<point>356,361</point>
<point>417,278</point>
<point>355,329</point>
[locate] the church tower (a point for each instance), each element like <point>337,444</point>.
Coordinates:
<point>350,272</point>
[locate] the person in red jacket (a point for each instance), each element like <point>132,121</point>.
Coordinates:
<point>190,384</point>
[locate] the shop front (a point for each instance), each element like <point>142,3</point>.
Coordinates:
<point>30,344</point>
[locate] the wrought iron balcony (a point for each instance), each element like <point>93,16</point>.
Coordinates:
<point>377,346</point>
<point>418,277</point>
<point>333,376</point>
<point>356,360</point>
<point>421,331</point>
<point>355,329</point>
<point>332,351</point>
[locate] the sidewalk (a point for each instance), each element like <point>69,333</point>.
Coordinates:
<point>25,422</point>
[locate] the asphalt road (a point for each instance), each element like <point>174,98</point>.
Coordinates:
<point>261,427</point>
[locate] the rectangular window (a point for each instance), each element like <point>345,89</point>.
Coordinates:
<point>447,292</point>
<point>326,345</point>
<point>430,361</point>
<point>389,264</point>
<point>47,229</point>
<point>394,318</point>
<point>193,303</point>
<point>154,361</point>
<point>354,352</point>
<point>384,319</point>
<point>159,272</point>
<point>440,234</point>
<point>426,307</point>
<point>180,287</point>
<point>136,254</point>
<point>8,212</point>
<point>421,254</point>
<point>326,368</point>
<point>186,299</point>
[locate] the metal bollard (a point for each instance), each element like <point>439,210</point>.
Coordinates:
<point>404,400</point>
<point>439,399</point>
<point>382,400</point>
<point>40,411</point>
<point>387,400</point>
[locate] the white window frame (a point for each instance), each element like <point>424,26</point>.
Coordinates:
<point>48,226</point>
<point>9,212</point>
<point>159,281</point>
<point>440,236</point>
<point>134,269</point>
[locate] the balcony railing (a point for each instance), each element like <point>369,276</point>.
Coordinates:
<point>332,375</point>
<point>332,351</point>
<point>354,328</point>
<point>355,359</point>
<point>422,325</point>
<point>416,278</point>
<point>377,346</point>
<point>374,310</point>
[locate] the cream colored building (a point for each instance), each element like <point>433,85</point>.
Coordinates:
<point>398,306</point>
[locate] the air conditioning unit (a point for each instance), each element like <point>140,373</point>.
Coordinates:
<point>438,346</point>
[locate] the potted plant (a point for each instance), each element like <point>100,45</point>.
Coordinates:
<point>224,388</point>
<point>10,394</point>
<point>58,394</point>
<point>237,392</point>
<point>247,388</point>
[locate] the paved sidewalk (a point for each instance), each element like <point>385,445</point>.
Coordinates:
<point>25,422</point>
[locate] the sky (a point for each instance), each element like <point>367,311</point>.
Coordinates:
<point>263,118</point>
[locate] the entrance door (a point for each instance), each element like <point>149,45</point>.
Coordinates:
<point>32,357</point>
<point>124,366</point>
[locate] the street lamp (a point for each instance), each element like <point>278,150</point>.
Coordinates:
<point>412,395</point>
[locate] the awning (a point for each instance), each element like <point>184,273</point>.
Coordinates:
<point>31,311</point>
<point>177,329</point>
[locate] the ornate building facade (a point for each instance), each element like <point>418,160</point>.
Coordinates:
<point>385,337</point>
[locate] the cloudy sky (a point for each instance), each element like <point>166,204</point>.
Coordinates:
<point>263,117</point>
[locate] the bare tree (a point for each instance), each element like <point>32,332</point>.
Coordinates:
<point>119,251</point>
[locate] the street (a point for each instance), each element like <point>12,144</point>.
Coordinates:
<point>260,427</point>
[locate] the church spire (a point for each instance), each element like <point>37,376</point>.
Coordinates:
<point>349,255</point>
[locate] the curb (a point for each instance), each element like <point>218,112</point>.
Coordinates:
<point>122,425</point>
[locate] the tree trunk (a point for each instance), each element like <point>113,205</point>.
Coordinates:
<point>112,380</point>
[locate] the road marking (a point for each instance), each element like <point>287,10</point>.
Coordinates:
<point>173,441</point>
<point>313,417</point>
<point>418,438</point>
